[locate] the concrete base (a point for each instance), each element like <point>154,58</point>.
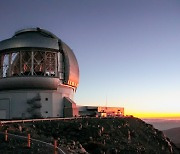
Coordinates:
<point>23,104</point>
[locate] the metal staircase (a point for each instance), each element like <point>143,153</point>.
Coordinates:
<point>35,106</point>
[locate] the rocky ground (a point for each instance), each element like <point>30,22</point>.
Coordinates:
<point>127,135</point>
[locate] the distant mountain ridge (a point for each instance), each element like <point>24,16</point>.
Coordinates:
<point>174,135</point>
<point>163,124</point>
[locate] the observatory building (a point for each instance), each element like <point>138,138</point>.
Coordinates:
<point>39,75</point>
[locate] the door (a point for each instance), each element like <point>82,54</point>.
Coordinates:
<point>4,108</point>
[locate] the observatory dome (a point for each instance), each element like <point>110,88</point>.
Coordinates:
<point>36,58</point>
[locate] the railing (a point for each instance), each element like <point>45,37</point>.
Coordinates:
<point>49,119</point>
<point>29,140</point>
<point>35,120</point>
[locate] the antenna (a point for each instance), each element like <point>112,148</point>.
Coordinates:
<point>106,101</point>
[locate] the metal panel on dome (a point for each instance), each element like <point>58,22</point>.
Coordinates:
<point>14,83</point>
<point>29,41</point>
<point>37,30</point>
<point>71,65</point>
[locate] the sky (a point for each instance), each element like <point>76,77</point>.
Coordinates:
<point>128,50</point>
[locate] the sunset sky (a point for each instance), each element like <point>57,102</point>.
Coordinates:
<point>128,50</point>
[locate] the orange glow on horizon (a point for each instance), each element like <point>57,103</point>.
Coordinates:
<point>154,115</point>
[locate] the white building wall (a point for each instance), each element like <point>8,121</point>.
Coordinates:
<point>46,102</point>
<point>58,105</point>
<point>14,103</point>
<point>17,105</point>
